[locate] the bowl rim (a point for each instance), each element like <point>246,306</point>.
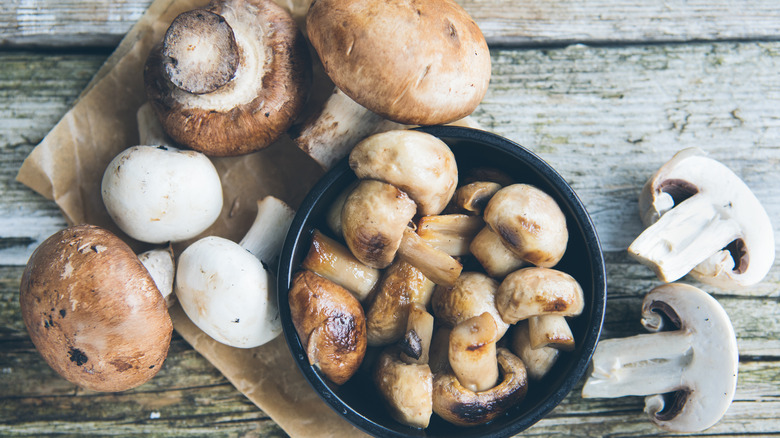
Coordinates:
<point>582,218</point>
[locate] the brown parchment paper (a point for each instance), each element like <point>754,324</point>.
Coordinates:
<point>68,167</point>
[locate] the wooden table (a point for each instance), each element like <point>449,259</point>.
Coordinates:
<point>606,91</point>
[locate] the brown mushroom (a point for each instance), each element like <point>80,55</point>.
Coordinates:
<point>93,311</point>
<point>371,50</point>
<point>330,324</point>
<point>231,78</point>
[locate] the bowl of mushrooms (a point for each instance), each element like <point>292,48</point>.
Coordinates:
<point>442,281</point>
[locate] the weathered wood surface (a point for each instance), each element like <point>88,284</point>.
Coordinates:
<point>605,116</point>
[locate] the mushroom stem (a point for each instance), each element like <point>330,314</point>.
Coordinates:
<point>267,233</point>
<point>684,237</point>
<point>434,263</point>
<point>639,365</point>
<point>451,233</point>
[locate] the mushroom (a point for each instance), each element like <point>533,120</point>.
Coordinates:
<point>497,260</point>
<point>703,219</point>
<point>372,52</point>
<point>162,267</point>
<point>434,263</point>
<point>418,163</point>
<point>416,343</point>
<point>538,361</point>
<point>472,352</point>
<point>407,388</point>
<point>451,233</point>
<point>473,197</point>
<point>550,331</point>
<point>231,78</point>
<point>386,317</point>
<point>373,221</point>
<point>472,294</point>
<point>439,353</point>
<point>330,324</point>
<point>93,311</point>
<point>332,260</point>
<point>463,407</point>
<point>157,193</point>
<point>687,371</point>
<point>226,289</point>
<point>530,223</point>
<point>538,291</point>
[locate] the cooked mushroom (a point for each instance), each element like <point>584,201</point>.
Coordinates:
<point>689,374</point>
<point>416,344</point>
<point>332,260</point>
<point>439,353</point>
<point>93,311</point>
<point>473,294</point>
<point>437,265</point>
<point>530,223</point>
<point>491,253</point>
<point>463,407</point>
<point>373,221</point>
<point>231,78</point>
<point>538,291</point>
<point>333,216</point>
<point>472,352</point>
<point>451,233</point>
<point>538,361</point>
<point>550,331</point>
<point>474,197</point>
<point>371,50</point>
<point>418,163</point>
<point>330,324</point>
<point>703,219</point>
<point>407,388</point>
<point>226,289</point>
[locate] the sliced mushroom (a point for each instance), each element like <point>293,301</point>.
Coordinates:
<point>418,163</point>
<point>226,289</point>
<point>451,233</point>
<point>93,311</point>
<point>406,388</point>
<point>463,407</point>
<point>538,361</point>
<point>550,331</point>
<point>373,221</point>
<point>530,223</point>
<point>472,352</point>
<point>231,78</point>
<point>689,374</point>
<point>330,324</point>
<point>434,263</point>
<point>473,294</point>
<point>332,260</point>
<point>491,253</point>
<point>703,219</point>
<point>371,50</point>
<point>538,291</point>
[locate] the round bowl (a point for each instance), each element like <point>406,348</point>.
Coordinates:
<point>357,401</point>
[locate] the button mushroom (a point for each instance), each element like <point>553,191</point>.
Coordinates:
<point>225,287</point>
<point>472,352</point>
<point>407,388</point>
<point>162,267</point>
<point>472,294</point>
<point>404,81</point>
<point>538,291</point>
<point>688,374</point>
<point>538,361</point>
<point>703,219</point>
<point>496,259</point>
<point>451,233</point>
<point>93,311</point>
<point>330,324</point>
<point>231,78</point>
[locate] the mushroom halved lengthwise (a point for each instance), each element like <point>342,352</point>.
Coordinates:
<point>231,78</point>
<point>689,374</point>
<point>702,219</point>
<point>93,310</point>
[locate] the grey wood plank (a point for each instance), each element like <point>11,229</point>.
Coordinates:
<point>102,23</point>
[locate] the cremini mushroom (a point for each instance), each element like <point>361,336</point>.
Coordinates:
<point>231,78</point>
<point>472,294</point>
<point>330,324</point>
<point>688,371</point>
<point>225,288</point>
<point>407,388</point>
<point>93,310</point>
<point>703,219</point>
<point>371,50</point>
<point>535,291</point>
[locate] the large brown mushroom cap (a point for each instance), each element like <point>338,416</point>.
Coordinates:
<point>261,99</point>
<point>93,311</point>
<point>419,62</point>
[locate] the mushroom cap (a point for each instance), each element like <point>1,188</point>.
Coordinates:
<point>330,324</point>
<point>472,294</point>
<point>373,221</point>
<point>407,388</point>
<point>691,174</point>
<point>93,311</point>
<point>259,102</point>
<point>534,291</point>
<point>415,62</point>
<point>463,407</point>
<point>530,223</point>
<point>224,290</point>
<point>418,163</point>
<point>159,194</point>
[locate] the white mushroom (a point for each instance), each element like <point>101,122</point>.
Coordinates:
<point>472,294</point>
<point>538,361</point>
<point>226,289</point>
<point>539,291</point>
<point>407,388</point>
<point>162,267</point>
<point>703,219</point>
<point>689,373</point>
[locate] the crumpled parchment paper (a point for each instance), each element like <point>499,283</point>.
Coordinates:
<point>68,167</point>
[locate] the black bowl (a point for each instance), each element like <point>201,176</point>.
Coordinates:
<point>357,400</point>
